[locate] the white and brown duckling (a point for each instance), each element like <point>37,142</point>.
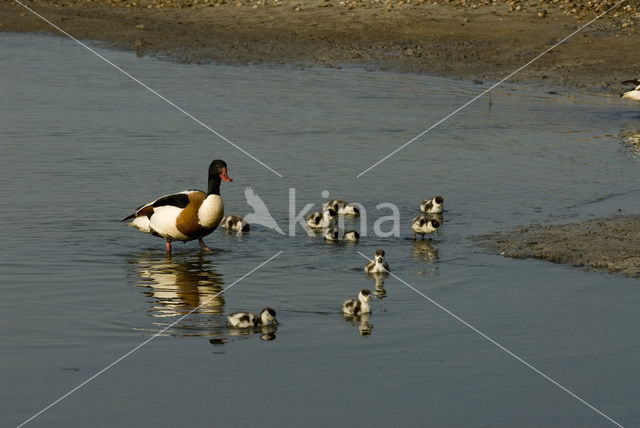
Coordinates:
<point>351,236</point>
<point>432,206</point>
<point>634,94</point>
<point>248,319</point>
<point>377,265</point>
<point>187,215</point>
<point>234,223</point>
<point>334,234</point>
<point>342,207</point>
<point>423,225</point>
<point>321,220</point>
<point>358,306</point>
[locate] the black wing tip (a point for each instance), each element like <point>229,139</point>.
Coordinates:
<point>129,217</point>
<point>631,82</point>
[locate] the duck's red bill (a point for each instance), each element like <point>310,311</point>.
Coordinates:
<point>224,175</point>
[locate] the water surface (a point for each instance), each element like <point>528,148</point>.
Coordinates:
<point>82,146</point>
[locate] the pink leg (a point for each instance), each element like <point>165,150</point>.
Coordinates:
<point>203,246</point>
<point>168,248</point>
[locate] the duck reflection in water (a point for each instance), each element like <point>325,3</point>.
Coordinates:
<point>177,286</point>
<point>631,140</point>
<point>267,332</point>
<point>380,292</point>
<point>362,321</point>
<point>423,251</point>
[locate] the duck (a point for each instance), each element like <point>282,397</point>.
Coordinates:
<point>377,265</point>
<point>351,236</point>
<point>342,207</point>
<point>358,306</point>
<point>432,206</point>
<point>186,215</point>
<point>234,224</point>
<point>248,319</point>
<point>334,234</point>
<point>423,225</point>
<point>351,210</point>
<point>321,220</point>
<point>634,94</point>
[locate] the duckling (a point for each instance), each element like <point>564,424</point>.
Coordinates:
<point>342,207</point>
<point>321,220</point>
<point>358,306</point>
<point>234,224</point>
<point>247,319</point>
<point>351,236</point>
<point>335,204</point>
<point>377,265</point>
<point>351,210</point>
<point>423,225</point>
<point>334,234</point>
<point>432,206</point>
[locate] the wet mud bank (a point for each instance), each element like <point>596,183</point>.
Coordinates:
<point>609,244</point>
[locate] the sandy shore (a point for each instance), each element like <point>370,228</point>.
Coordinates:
<point>479,40</point>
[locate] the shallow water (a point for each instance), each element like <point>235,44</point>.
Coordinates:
<point>82,145</point>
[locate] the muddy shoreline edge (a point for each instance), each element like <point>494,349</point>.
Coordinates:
<point>483,40</point>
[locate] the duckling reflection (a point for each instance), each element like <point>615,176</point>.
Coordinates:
<point>422,250</point>
<point>178,286</point>
<point>267,333</point>
<point>362,321</point>
<point>380,293</point>
<point>631,139</point>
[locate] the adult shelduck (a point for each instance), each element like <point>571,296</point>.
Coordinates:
<point>187,215</point>
<point>635,94</point>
